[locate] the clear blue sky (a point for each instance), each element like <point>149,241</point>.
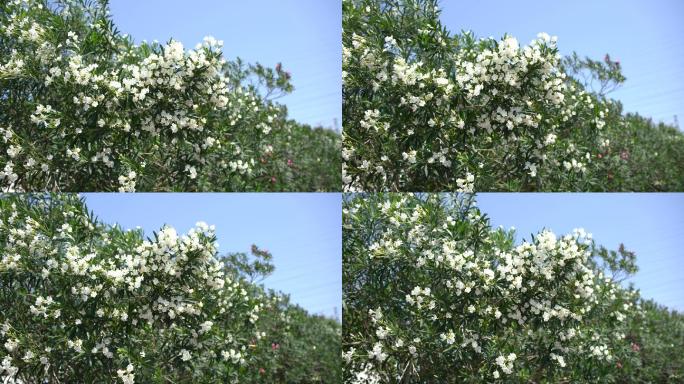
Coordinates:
<point>305,35</point>
<point>649,224</point>
<point>302,231</point>
<point>646,36</point>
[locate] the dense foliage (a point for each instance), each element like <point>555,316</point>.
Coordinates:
<point>658,339</point>
<point>83,301</point>
<point>433,294</point>
<point>83,108</point>
<point>423,108</point>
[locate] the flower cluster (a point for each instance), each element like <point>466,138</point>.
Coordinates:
<point>430,286</point>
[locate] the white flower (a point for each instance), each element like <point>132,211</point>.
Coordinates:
<point>466,185</point>
<point>377,353</point>
<point>127,376</point>
<point>449,337</point>
<point>550,139</point>
<point>506,363</point>
<point>347,356</point>
<point>206,326</point>
<point>381,333</point>
<point>232,355</point>
<point>441,81</point>
<point>8,369</point>
<point>192,171</point>
<point>11,345</point>
<point>127,182</point>
<point>410,157</point>
<point>76,345</point>
<point>28,356</point>
<point>185,355</point>
<point>13,151</point>
<point>559,359</point>
<point>74,153</point>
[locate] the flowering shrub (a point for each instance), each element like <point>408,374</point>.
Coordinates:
<point>298,347</point>
<point>82,299</point>
<point>640,156</point>
<point>422,107</point>
<point>307,348</point>
<point>84,108</point>
<point>433,294</point>
<point>657,338</point>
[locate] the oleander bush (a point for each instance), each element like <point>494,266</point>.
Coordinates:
<point>83,108</point>
<point>423,107</point>
<point>433,294</point>
<point>86,302</point>
<point>657,339</point>
<point>307,348</point>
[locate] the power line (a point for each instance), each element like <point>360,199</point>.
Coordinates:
<point>319,96</point>
<point>664,45</point>
<point>660,93</point>
<point>309,60</point>
<point>316,84</point>
<point>336,283</point>
<point>309,265</point>
<point>288,278</point>
<point>316,294</point>
<point>645,82</point>
<point>653,272</point>
<point>657,63</point>
<point>320,75</point>
<point>320,115</point>
<point>659,289</point>
<point>329,100</point>
<point>306,291</point>
<point>646,102</point>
